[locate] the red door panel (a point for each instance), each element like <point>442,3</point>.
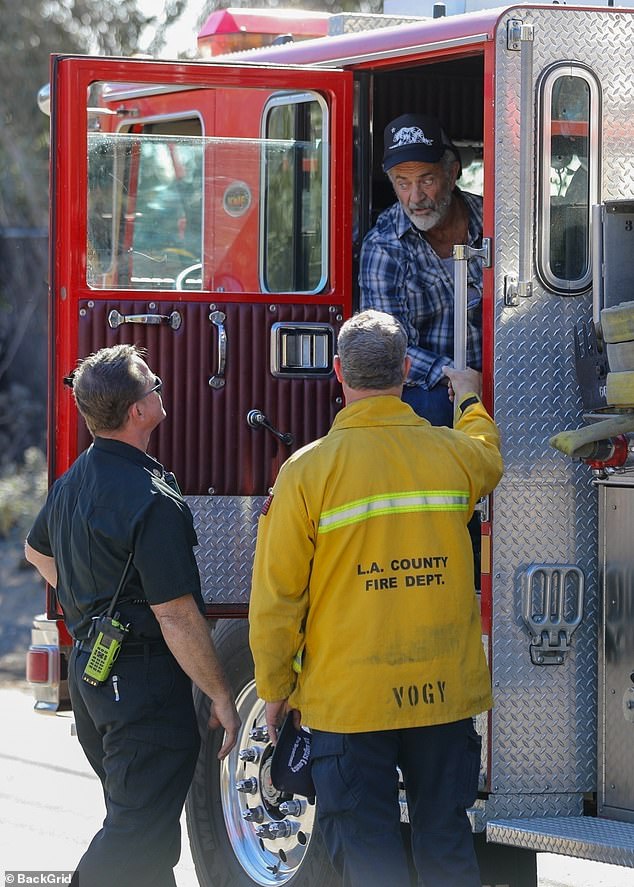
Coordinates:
<point>206,439</point>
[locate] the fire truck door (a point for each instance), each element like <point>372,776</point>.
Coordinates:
<point>200,212</point>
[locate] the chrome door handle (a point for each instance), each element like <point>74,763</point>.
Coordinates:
<point>218,319</point>
<point>173,320</point>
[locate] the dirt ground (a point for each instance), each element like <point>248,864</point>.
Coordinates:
<point>21,598</point>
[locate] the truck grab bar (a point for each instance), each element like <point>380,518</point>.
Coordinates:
<point>525,265</point>
<point>173,320</point>
<point>462,252</point>
<point>597,262</point>
<point>520,38</point>
<point>218,319</point>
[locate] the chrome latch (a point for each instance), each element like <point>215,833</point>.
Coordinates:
<point>257,419</point>
<point>552,609</point>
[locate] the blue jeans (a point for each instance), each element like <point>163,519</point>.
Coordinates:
<point>433,405</point>
<point>356,782</point>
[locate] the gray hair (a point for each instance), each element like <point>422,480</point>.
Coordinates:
<point>106,384</point>
<point>447,161</point>
<point>372,346</point>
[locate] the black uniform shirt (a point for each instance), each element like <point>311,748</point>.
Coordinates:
<point>114,500</point>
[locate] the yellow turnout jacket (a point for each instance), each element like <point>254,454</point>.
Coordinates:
<point>363,610</point>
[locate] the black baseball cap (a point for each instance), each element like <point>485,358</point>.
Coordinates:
<point>415,137</point>
<point>290,764</point>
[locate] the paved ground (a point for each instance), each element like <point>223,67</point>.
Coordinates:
<point>21,598</point>
<point>51,804</point>
<point>50,800</point>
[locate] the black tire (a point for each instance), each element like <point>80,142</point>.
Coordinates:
<point>226,848</point>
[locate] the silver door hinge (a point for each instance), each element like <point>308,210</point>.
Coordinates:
<point>517,33</point>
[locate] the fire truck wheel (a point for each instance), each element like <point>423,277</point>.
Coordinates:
<point>242,831</point>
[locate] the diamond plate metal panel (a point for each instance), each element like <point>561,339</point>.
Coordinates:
<point>544,805</point>
<point>584,837</point>
<point>353,22</point>
<point>227,529</point>
<point>545,511</point>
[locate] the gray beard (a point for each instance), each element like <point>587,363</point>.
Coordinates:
<point>428,222</point>
<point>424,224</point>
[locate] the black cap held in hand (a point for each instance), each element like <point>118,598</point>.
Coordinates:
<point>290,764</point>
<point>415,137</point>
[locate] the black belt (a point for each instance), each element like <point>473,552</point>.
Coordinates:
<point>129,648</point>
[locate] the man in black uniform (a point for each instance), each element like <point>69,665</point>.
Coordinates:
<point>138,729</point>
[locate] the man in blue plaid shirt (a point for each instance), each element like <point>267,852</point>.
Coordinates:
<point>406,266</point>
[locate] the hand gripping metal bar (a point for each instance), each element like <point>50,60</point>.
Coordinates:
<point>462,252</point>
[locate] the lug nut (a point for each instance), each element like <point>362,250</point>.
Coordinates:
<point>253,814</point>
<point>248,786</point>
<point>259,734</point>
<point>294,807</point>
<point>251,754</point>
<point>283,829</point>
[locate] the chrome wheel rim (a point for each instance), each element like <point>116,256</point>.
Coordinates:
<point>267,859</point>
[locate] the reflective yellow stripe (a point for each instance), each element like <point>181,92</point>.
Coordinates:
<point>297,660</point>
<point>393,503</point>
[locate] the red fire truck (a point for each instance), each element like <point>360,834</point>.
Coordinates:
<point>212,212</point>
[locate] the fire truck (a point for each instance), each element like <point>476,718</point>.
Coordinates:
<point>212,212</point>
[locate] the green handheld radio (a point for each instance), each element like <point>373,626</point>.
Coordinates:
<point>109,634</point>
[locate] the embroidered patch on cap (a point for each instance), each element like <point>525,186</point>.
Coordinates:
<point>415,137</point>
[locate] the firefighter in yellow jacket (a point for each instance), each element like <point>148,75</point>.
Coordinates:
<point>364,619</point>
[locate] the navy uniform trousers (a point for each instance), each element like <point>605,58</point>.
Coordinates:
<point>356,782</point>
<point>139,733</point>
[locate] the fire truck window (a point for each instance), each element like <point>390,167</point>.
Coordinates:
<point>293,244</point>
<point>569,177</point>
<point>101,195</point>
<point>144,228</point>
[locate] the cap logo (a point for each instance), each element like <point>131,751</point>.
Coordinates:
<point>409,135</point>
<point>295,762</point>
<point>290,764</point>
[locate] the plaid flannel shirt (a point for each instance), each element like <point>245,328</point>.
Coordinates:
<point>402,275</point>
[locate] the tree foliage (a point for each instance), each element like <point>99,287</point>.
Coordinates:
<point>31,31</point>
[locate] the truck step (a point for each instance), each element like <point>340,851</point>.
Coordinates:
<point>602,840</point>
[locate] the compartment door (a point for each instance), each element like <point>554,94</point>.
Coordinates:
<point>616,668</point>
<point>203,212</point>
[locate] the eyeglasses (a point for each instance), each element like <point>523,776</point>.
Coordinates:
<point>158,387</point>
